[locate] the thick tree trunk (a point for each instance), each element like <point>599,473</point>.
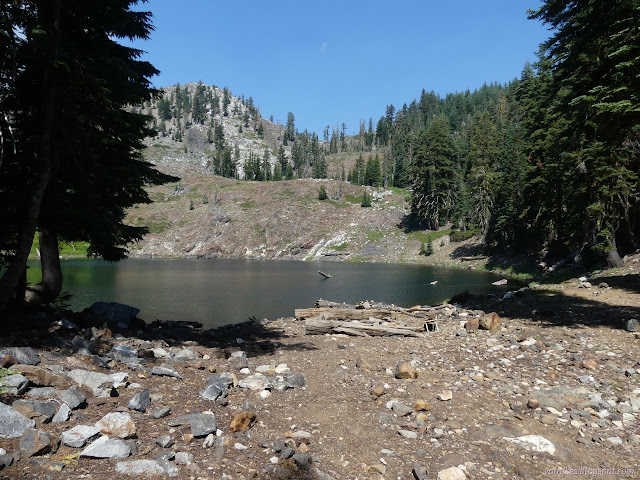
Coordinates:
<point>612,257</point>
<point>49,288</point>
<point>9,283</point>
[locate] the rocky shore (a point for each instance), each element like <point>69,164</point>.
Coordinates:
<point>547,385</point>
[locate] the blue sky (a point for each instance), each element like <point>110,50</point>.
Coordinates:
<point>331,62</point>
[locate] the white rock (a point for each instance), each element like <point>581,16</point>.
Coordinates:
<point>264,394</point>
<point>239,446</point>
<point>79,435</point>
<point>453,473</point>
<point>534,443</point>
<point>446,395</point>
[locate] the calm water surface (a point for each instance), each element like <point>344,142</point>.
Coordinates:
<point>216,292</point>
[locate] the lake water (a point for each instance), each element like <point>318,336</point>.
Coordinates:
<point>217,292</point>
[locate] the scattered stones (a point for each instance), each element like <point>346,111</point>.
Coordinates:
<point>404,370</point>
<point>453,473</point>
<point>105,447</point>
<point>79,435</point>
<point>140,401</point>
<point>241,421</point>
<point>147,467</point>
<point>36,442</point>
<point>117,424</point>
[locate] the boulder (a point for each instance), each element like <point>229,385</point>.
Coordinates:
<point>62,415</point>
<point>453,473</point>
<point>114,313</point>
<point>534,443</point>
<point>489,321</point>
<point>117,424</point>
<point>101,384</point>
<point>105,447</point>
<point>15,384</point>
<point>404,370</point>
<point>43,409</point>
<point>79,435</point>
<point>12,423</point>
<point>140,401</point>
<point>41,376</point>
<point>25,355</point>
<point>36,442</point>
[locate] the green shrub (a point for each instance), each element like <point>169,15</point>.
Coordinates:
<point>458,236</point>
<point>322,193</point>
<point>426,249</point>
<point>366,199</point>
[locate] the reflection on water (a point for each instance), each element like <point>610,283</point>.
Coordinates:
<point>216,292</point>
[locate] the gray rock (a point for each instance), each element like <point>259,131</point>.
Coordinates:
<point>184,354</point>
<point>287,453</point>
<point>62,415</point>
<point>302,461</point>
<point>632,325</point>
<point>255,382</point>
<point>79,435</point>
<point>105,447</point>
<point>42,392</point>
<point>183,458</point>
<point>420,473</point>
<point>118,424</point>
<point>453,473</point>
<point>120,352</point>
<point>213,391</point>
<point>82,345</point>
<point>160,412</point>
<point>147,467</point>
<point>401,409</point>
<point>165,441</point>
<point>72,397</point>
<point>221,379</point>
<point>101,384</point>
<point>36,408</point>
<point>14,384</point>
<point>12,423</point>
<point>295,379</point>
<point>25,355</point>
<point>238,362</point>
<point>462,332</point>
<point>112,312</point>
<point>408,434</point>
<point>165,371</point>
<point>164,455</point>
<point>140,401</point>
<point>202,424</point>
<point>6,459</point>
<point>36,442</point>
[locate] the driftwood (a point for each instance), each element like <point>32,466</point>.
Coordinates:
<point>325,275</point>
<point>476,257</point>
<point>321,326</point>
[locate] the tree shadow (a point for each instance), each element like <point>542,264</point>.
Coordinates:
<point>468,250</point>
<point>554,308</point>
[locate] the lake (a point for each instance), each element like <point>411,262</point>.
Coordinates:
<point>218,292</point>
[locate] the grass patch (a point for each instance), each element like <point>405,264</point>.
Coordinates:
<point>458,236</point>
<point>248,204</point>
<point>398,191</point>
<point>67,249</point>
<point>337,204</point>
<point>339,248</point>
<point>374,236</point>
<point>160,145</point>
<point>426,237</point>
<point>353,198</point>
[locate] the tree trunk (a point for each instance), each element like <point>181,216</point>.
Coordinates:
<point>9,283</point>
<point>612,257</point>
<point>51,285</point>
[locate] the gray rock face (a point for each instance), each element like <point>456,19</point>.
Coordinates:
<point>112,312</point>
<point>12,423</point>
<point>14,384</point>
<point>140,401</point>
<point>72,397</point>
<point>79,435</point>
<point>202,424</point>
<point>101,384</point>
<point>147,467</point>
<point>36,442</point>
<point>160,412</point>
<point>36,408</point>
<point>62,415</point>
<point>165,371</point>
<point>26,355</point>
<point>105,447</point>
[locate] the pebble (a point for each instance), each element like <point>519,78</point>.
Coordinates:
<point>408,434</point>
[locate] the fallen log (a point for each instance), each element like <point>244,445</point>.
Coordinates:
<point>320,326</point>
<point>325,275</point>
<point>346,313</point>
<point>476,257</point>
